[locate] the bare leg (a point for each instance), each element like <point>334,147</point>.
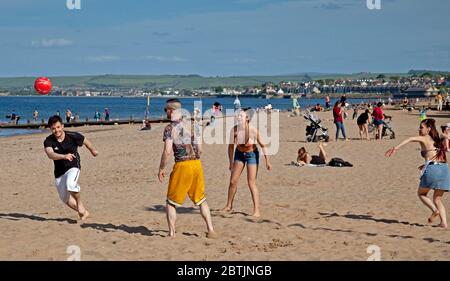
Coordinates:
<point>82,212</point>
<point>171,218</point>
<point>238,167</point>
<point>380,131</point>
<point>361,130</point>
<point>437,199</point>
<point>423,192</point>
<point>206,214</point>
<point>366,131</point>
<point>322,152</point>
<point>72,203</point>
<point>251,179</point>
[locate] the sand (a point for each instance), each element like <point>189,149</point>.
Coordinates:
<point>307,213</point>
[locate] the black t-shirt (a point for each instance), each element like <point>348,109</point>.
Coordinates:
<point>362,119</point>
<point>70,144</point>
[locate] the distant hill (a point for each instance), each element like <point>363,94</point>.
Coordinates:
<point>185,81</point>
<point>150,81</point>
<point>432,72</point>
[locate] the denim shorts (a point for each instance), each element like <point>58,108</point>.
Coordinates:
<point>378,122</point>
<point>250,158</point>
<point>436,177</point>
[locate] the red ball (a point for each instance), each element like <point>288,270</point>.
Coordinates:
<point>43,85</point>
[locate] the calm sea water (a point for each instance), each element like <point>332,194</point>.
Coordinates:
<point>121,108</point>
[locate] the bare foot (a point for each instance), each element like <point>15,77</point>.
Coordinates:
<point>212,235</point>
<point>84,216</point>
<point>443,225</point>
<point>434,215</point>
<point>256,214</point>
<point>227,210</point>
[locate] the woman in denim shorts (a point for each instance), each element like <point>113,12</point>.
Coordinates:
<point>435,175</point>
<point>242,151</point>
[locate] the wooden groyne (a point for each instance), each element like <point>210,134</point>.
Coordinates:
<point>30,125</point>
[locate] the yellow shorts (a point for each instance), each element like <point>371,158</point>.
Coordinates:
<point>186,179</point>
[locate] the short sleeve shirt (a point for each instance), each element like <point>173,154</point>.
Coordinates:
<point>185,147</point>
<point>378,113</point>
<point>70,144</point>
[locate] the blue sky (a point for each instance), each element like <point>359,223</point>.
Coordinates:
<point>222,37</point>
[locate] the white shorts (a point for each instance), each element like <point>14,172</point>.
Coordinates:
<point>68,183</point>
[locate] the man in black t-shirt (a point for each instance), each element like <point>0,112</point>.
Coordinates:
<point>62,148</point>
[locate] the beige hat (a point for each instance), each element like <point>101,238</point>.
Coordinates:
<point>173,105</point>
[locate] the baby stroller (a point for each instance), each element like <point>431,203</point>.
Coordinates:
<point>314,131</point>
<point>386,131</point>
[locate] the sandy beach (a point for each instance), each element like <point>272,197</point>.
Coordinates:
<point>308,213</point>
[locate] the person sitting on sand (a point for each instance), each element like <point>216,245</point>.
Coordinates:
<point>405,103</point>
<point>62,148</point>
<point>304,158</point>
<point>318,107</point>
<point>146,125</point>
<point>435,175</point>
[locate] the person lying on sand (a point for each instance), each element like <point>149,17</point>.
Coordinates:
<point>304,158</point>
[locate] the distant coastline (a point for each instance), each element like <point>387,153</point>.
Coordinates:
<point>315,96</point>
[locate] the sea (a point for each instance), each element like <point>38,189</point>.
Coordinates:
<point>125,107</point>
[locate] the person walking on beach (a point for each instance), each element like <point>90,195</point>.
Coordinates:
<point>339,120</point>
<point>187,174</point>
<point>363,124</point>
<point>327,102</point>
<point>35,116</point>
<point>295,106</point>
<point>440,101</point>
<point>355,111</point>
<point>68,115</point>
<point>434,173</point>
<point>97,115</point>
<point>62,148</point>
<point>245,137</point>
<point>237,103</point>
<point>343,100</point>
<point>13,117</point>
<point>423,114</point>
<point>378,117</point>
<point>405,103</point>
<point>106,114</point>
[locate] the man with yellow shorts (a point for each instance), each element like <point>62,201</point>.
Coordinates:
<point>186,178</point>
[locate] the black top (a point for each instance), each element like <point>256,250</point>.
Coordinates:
<point>362,119</point>
<point>70,144</point>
